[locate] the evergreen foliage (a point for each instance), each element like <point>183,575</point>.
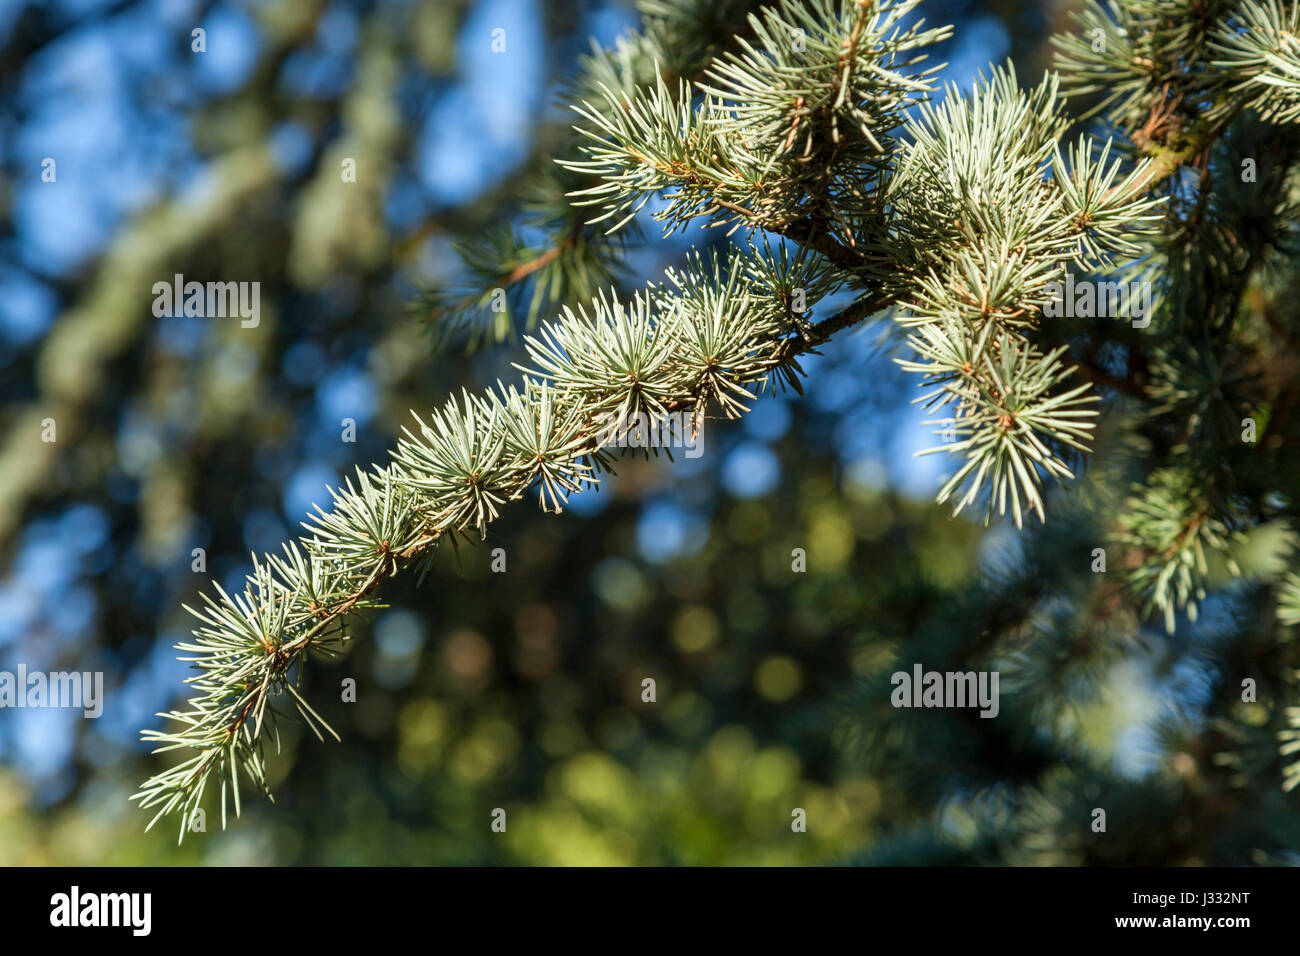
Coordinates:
<point>807,133</point>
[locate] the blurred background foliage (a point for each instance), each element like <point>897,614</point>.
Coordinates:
<point>477,690</point>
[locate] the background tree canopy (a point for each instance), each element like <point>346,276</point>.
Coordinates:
<point>523,689</point>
